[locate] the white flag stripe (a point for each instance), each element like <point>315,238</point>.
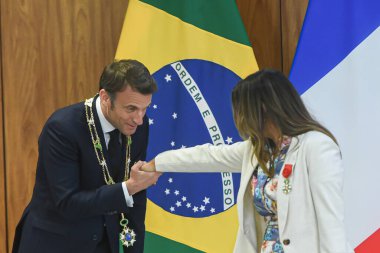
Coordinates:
<point>347,101</point>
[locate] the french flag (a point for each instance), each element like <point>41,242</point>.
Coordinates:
<point>336,69</point>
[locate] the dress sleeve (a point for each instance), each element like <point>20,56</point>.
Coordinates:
<point>203,158</point>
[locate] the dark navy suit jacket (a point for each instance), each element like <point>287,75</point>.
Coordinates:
<point>71,207</point>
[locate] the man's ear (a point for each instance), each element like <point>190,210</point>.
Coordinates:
<point>104,97</point>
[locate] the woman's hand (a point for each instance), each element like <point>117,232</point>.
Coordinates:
<point>149,166</point>
<point>140,180</point>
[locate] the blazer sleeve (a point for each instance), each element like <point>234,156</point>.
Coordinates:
<point>203,158</point>
<point>325,167</point>
<point>60,161</point>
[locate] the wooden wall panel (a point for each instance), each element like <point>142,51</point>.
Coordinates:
<point>292,15</point>
<point>273,27</point>
<point>53,54</point>
<point>3,235</point>
<point>262,20</point>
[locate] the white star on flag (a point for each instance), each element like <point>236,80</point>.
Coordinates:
<point>195,209</point>
<point>154,106</point>
<point>170,180</point>
<point>168,78</point>
<point>184,198</point>
<point>174,115</point>
<point>172,209</point>
<point>202,208</point>
<point>172,143</point>
<point>206,200</point>
<point>188,205</point>
<point>212,210</point>
<point>183,146</point>
<point>176,192</point>
<point>151,122</point>
<point>167,191</point>
<point>229,140</point>
<point>178,204</point>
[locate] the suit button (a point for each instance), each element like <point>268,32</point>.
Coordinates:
<point>286,242</point>
<point>94,237</point>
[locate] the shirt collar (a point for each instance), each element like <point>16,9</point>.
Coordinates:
<point>104,123</point>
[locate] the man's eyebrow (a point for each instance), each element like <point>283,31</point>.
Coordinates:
<point>135,106</point>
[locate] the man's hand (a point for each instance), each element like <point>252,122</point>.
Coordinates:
<point>140,180</point>
<point>149,167</point>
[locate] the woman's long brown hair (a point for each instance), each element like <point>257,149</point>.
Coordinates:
<point>269,95</point>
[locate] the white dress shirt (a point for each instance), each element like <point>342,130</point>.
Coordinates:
<point>107,127</point>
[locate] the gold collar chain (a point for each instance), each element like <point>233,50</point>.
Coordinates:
<point>98,145</point>
<point>128,236</point>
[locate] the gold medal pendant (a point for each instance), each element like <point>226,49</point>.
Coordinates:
<point>127,235</point>
<point>287,187</point>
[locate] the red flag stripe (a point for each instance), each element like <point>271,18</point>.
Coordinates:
<point>370,245</point>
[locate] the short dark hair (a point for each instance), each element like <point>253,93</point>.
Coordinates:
<point>120,74</point>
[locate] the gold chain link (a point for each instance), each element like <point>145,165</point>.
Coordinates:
<point>98,146</point>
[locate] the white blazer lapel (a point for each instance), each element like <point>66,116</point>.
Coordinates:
<point>282,197</point>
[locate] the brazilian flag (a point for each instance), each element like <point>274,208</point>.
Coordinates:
<point>197,51</point>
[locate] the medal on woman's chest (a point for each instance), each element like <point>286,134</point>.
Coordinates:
<point>287,171</point>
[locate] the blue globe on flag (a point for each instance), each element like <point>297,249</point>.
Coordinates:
<point>193,107</point>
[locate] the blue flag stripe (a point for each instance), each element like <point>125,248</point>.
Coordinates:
<point>331,30</point>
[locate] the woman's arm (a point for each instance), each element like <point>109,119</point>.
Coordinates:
<point>202,158</point>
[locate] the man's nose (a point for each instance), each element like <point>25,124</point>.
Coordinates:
<point>138,119</point>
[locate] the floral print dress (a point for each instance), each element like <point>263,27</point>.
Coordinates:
<point>264,190</point>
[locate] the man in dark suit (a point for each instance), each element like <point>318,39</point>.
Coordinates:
<point>87,196</point>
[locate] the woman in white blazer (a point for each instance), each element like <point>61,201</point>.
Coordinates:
<point>291,171</point>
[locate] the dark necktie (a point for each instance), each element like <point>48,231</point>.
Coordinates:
<point>115,155</point>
